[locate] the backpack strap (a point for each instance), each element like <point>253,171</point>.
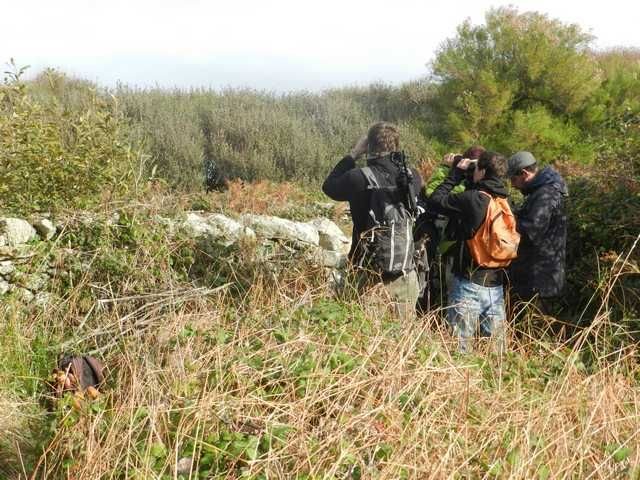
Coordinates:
<point>370,178</point>
<point>491,197</point>
<point>499,212</point>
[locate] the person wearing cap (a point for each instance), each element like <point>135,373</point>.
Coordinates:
<point>539,271</point>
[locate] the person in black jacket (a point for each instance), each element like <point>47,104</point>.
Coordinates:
<point>347,182</point>
<point>431,229</point>
<point>539,270</point>
<point>476,295</point>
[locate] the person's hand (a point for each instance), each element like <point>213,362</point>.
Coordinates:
<point>360,147</point>
<point>448,159</point>
<point>465,163</point>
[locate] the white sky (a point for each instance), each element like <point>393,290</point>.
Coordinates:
<point>274,45</point>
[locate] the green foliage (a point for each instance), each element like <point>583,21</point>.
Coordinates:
<point>27,355</point>
<point>618,98</point>
<point>53,156</point>
<point>537,129</point>
<point>602,232</point>
<point>257,135</point>
<point>605,198</point>
<point>127,250</point>
<point>618,452</point>
<point>515,81</point>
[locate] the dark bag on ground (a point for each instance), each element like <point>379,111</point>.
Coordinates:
<point>77,373</point>
<point>389,239</point>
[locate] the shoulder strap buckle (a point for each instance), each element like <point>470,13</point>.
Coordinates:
<point>371,178</point>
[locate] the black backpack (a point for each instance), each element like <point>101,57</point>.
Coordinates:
<point>388,240</point>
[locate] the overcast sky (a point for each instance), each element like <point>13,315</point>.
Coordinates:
<point>273,45</point>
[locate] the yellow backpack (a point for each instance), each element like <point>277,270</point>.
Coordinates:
<point>495,243</point>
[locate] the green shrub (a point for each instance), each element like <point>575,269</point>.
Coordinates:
<point>257,135</point>
<point>54,157</point>
<point>552,138</point>
<point>603,227</point>
<point>516,80</point>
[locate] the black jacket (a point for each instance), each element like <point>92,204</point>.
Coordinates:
<point>466,211</point>
<point>542,224</point>
<point>347,183</point>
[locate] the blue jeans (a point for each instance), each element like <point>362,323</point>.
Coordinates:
<point>472,306</point>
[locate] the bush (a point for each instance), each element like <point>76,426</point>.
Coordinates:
<point>54,157</point>
<point>552,138</point>
<point>514,81</point>
<point>257,135</point>
<point>603,228</point>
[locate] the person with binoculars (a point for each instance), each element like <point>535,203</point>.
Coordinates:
<point>382,197</point>
<point>483,228</point>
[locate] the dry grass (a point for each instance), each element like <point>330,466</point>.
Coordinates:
<point>281,380</point>
<point>407,407</point>
<point>262,197</point>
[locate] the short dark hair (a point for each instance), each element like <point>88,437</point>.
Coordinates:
<point>494,164</point>
<point>383,137</point>
<point>531,168</point>
<point>474,152</point>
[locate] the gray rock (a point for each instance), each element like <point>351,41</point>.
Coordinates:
<point>168,223</point>
<point>331,237</point>
<point>329,258</point>
<point>4,287</point>
<point>45,228</point>
<point>43,299</point>
<point>31,281</point>
<point>280,228</point>
<point>183,467</point>
<point>197,225</point>
<point>229,228</point>
<point>3,240</point>
<point>7,267</point>
<point>16,231</point>
<point>114,219</point>
<point>15,252</point>
<point>217,227</point>
<point>324,205</point>
<point>23,294</point>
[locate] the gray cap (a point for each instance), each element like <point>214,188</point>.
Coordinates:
<point>518,161</point>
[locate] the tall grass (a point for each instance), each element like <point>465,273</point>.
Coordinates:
<point>240,363</point>
<point>278,392</point>
<point>247,134</point>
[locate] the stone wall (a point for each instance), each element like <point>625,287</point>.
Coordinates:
<point>16,236</point>
<point>321,240</point>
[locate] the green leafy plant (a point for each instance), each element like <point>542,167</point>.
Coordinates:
<point>55,158</point>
